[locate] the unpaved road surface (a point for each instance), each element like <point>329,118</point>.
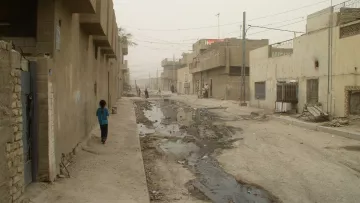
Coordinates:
<point>295,164</point>
<point>179,144</point>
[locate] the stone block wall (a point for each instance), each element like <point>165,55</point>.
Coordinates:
<point>11,144</point>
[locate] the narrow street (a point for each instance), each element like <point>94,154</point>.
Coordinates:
<point>196,152</point>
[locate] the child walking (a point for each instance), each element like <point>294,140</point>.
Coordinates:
<point>102,113</point>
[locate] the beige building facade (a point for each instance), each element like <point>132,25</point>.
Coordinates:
<point>322,66</point>
<point>219,64</point>
<point>71,58</point>
<point>169,74</point>
<point>184,78</point>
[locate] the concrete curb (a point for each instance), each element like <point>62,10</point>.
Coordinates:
<point>316,127</point>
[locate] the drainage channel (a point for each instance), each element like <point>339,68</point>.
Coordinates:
<point>190,137</point>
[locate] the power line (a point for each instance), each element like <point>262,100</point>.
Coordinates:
<point>154,42</point>
<point>271,24</point>
<point>289,11</point>
<point>254,33</point>
<point>205,27</point>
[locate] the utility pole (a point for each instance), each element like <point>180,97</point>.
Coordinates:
<point>240,31</point>
<point>243,103</point>
<point>173,70</point>
<point>218,15</point>
<point>157,79</point>
<point>149,81</point>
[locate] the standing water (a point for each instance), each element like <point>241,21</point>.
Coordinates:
<point>191,136</point>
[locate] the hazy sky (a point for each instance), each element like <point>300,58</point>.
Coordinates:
<point>166,27</point>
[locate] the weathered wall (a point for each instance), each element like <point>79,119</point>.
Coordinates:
<point>11,144</point>
<point>184,76</point>
<point>223,86</point>
<point>80,79</point>
<point>345,69</point>
<point>300,66</point>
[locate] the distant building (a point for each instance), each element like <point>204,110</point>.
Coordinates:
<point>218,63</point>
<point>169,75</point>
<point>313,69</point>
<point>184,77</point>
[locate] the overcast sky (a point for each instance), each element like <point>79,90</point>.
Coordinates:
<point>166,27</point>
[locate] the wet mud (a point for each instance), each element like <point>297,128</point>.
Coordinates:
<point>191,137</point>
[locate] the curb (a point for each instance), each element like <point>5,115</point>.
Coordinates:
<point>315,127</point>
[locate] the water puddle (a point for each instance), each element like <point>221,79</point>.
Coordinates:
<point>191,136</point>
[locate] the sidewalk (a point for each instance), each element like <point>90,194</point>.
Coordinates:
<point>233,107</point>
<point>111,173</point>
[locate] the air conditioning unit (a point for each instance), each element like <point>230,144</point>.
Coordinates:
<point>283,107</point>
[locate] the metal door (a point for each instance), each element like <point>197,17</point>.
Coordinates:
<point>312,91</point>
<point>26,101</point>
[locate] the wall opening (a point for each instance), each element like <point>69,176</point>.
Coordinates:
<point>260,92</point>
<point>312,91</point>
<point>237,71</point>
<point>352,100</point>
<point>18,18</point>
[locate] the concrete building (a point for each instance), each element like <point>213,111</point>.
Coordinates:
<point>321,67</point>
<point>184,78</point>
<point>169,74</point>
<point>70,60</point>
<point>218,64</point>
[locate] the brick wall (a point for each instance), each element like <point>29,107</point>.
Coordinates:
<point>11,145</point>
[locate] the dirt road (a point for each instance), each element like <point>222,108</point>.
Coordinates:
<point>178,144</point>
<point>295,164</point>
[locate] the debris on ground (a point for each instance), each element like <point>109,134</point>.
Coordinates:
<point>314,113</point>
<point>192,150</point>
<point>338,122</point>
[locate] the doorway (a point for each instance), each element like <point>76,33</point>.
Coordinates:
<point>211,88</point>
<point>312,91</point>
<point>109,97</point>
<point>354,103</point>
<point>29,138</point>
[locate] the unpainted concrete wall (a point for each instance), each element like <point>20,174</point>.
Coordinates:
<point>182,74</point>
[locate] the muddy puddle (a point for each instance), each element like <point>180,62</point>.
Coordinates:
<point>190,137</point>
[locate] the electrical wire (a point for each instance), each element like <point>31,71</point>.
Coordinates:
<point>204,27</point>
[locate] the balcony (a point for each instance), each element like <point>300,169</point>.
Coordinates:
<point>170,63</point>
<point>109,52</point>
<point>81,6</point>
<point>101,41</point>
<point>96,24</point>
<point>124,66</point>
<point>124,49</point>
<point>209,60</point>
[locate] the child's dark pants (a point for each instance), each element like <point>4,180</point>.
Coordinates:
<point>104,132</point>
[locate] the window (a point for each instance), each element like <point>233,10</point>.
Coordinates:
<point>260,90</point>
